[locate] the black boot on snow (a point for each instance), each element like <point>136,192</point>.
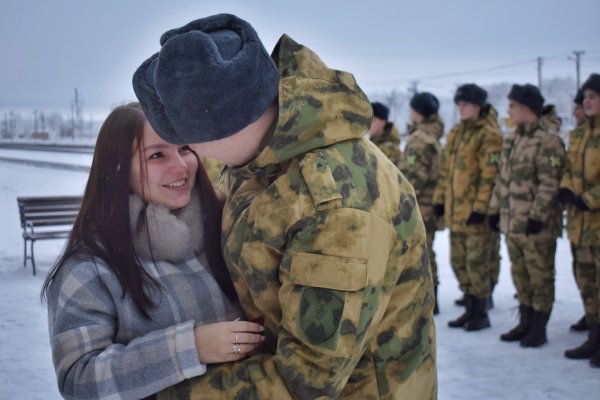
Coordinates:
<point>519,331</point>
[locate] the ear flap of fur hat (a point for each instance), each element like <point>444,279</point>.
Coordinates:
<point>211,78</point>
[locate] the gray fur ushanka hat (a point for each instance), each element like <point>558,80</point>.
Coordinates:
<point>210,79</point>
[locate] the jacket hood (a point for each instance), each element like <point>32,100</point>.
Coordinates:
<point>490,116</point>
<point>433,126</point>
<point>318,106</point>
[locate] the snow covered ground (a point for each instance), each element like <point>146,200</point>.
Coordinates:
<point>470,365</point>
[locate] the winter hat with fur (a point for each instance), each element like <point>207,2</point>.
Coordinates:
<point>425,104</point>
<point>527,95</point>
<point>471,93</point>
<point>592,83</point>
<point>380,110</point>
<point>210,79</point>
<point>578,99</point>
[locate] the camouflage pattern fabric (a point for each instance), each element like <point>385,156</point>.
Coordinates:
<point>469,255</point>
<point>432,262</point>
<point>213,168</point>
<point>549,120</point>
<point>582,177</point>
<point>527,185</point>
<point>469,168</point>
<point>421,166</point>
<point>325,243</point>
<point>389,143</point>
<point>532,270</point>
<point>587,275</point>
<point>494,257</point>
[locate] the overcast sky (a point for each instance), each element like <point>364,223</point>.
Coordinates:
<point>50,47</point>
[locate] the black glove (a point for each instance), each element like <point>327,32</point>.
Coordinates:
<point>565,196</point>
<point>475,218</point>
<point>579,203</point>
<point>493,222</point>
<point>438,210</point>
<point>533,227</point>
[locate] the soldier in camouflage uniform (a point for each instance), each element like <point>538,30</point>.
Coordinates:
<point>421,165</point>
<point>587,269</point>
<point>469,168</point>
<point>384,134</point>
<point>525,203</point>
<point>580,191</point>
<point>321,232</point>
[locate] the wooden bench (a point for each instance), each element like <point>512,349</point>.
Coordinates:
<point>46,218</point>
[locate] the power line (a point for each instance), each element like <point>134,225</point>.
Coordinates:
<point>474,71</point>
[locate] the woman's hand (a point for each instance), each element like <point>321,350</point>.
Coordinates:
<point>227,341</point>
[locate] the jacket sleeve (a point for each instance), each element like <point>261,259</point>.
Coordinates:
<point>440,189</point>
<point>567,176</point>
<point>488,156</point>
<point>332,304</point>
<point>90,364</point>
<point>416,163</point>
<point>549,163</point>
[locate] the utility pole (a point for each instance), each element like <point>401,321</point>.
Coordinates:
<point>539,72</point>
<point>413,88</point>
<point>577,59</point>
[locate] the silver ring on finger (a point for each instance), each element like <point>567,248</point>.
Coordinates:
<point>237,348</point>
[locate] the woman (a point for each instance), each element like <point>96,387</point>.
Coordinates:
<point>136,299</point>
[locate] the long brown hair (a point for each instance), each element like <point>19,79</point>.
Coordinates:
<point>102,228</point>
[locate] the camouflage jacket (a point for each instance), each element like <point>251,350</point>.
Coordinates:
<point>213,168</point>
<point>469,169</point>
<point>389,143</point>
<point>421,165</point>
<point>531,166</point>
<point>325,244</point>
<point>549,120</point>
<point>582,177</point>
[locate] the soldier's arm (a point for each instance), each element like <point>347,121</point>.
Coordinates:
<point>416,163</point>
<point>489,154</point>
<point>549,165</point>
<point>567,176</point>
<point>440,189</point>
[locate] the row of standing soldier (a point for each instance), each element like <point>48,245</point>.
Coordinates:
<point>481,184</point>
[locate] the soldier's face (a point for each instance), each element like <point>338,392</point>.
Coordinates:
<point>377,126</point>
<point>467,111</point>
<point>162,173</point>
<point>517,112</point>
<point>591,103</point>
<point>415,117</point>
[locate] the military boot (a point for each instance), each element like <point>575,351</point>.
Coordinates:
<point>460,301</point>
<point>462,320</point>
<point>519,331</point>
<point>537,331</point>
<point>436,308</point>
<point>479,318</point>
<point>589,347</point>
<point>580,326</point>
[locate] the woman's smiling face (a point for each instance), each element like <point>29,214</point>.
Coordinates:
<point>162,173</point>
